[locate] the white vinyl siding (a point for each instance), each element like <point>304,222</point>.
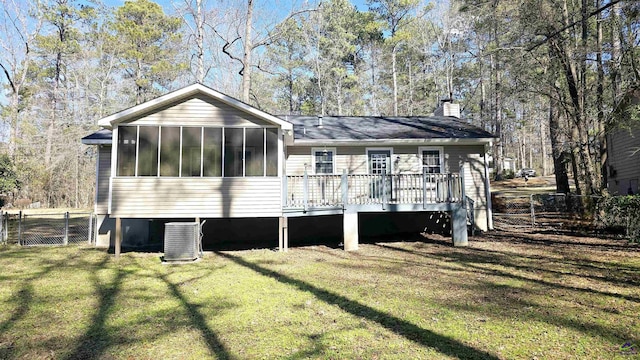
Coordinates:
<point>200,111</point>
<point>471,157</point>
<point>145,197</point>
<point>102,179</point>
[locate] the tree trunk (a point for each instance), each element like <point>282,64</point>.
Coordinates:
<point>139,88</point>
<point>374,83</point>
<point>200,42</point>
<point>394,74</point>
<point>557,150</point>
<point>543,148</point>
<point>575,87</point>
<point>246,59</point>
<point>602,135</point>
<point>499,156</point>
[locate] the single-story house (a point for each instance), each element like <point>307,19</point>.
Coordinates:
<point>198,154</point>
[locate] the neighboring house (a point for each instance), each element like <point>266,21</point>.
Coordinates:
<point>198,154</point>
<point>508,163</point>
<point>623,161</point>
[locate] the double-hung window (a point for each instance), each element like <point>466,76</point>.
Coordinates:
<point>432,159</point>
<point>323,161</point>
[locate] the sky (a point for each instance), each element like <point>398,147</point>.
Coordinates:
<point>168,7</point>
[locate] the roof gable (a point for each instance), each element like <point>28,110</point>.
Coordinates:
<point>185,94</point>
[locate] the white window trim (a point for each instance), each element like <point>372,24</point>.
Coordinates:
<point>390,150</point>
<point>322,149</point>
<point>440,150</point>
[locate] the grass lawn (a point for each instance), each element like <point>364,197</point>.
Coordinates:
<point>506,296</point>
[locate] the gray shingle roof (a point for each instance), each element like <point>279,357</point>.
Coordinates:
<point>99,137</point>
<point>362,128</point>
<point>383,128</point>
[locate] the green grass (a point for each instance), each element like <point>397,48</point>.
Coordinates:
<point>526,296</point>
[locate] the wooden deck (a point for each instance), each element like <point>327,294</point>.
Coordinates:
<point>351,194</point>
<point>316,194</point>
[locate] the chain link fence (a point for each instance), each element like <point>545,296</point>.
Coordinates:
<point>540,211</point>
<point>511,212</point>
<point>564,210</point>
<point>47,229</point>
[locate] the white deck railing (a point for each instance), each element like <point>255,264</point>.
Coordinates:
<point>312,191</point>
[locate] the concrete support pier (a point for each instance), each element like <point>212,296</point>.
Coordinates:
<point>459,226</point>
<point>350,228</point>
<point>118,237</point>
<point>283,234</point>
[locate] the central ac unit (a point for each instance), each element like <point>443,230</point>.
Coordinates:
<point>181,241</point>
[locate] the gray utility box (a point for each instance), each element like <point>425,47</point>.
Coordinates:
<point>181,241</point>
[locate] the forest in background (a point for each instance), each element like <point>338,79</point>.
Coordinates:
<point>550,78</point>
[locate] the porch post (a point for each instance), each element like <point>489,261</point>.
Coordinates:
<point>305,190</point>
<point>283,234</point>
<point>118,236</point>
<point>463,195</point>
<point>350,231</point>
<point>459,225</point>
<point>385,199</point>
<point>345,188</point>
<point>424,187</point>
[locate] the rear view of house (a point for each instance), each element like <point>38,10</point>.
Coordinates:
<point>198,154</point>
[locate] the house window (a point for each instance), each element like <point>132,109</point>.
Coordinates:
<point>432,160</point>
<point>233,140</point>
<point>191,151</point>
<point>323,160</point>
<point>271,156</point>
<point>170,151</point>
<point>127,140</point>
<point>212,153</point>
<point>148,151</point>
<point>197,151</point>
<point>254,152</point>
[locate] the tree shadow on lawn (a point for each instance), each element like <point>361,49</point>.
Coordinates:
<point>559,238</point>
<point>97,339</point>
<point>568,249</point>
<point>440,343</point>
<point>23,297</point>
<point>216,347</point>
<point>496,299</point>
<point>474,258</point>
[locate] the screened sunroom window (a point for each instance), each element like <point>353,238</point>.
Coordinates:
<point>127,140</point>
<point>233,139</point>
<point>148,151</point>
<point>272,152</point>
<point>191,151</point>
<point>254,152</point>
<point>194,151</point>
<point>212,160</point>
<point>170,151</point>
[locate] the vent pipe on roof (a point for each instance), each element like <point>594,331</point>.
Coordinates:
<point>319,121</point>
